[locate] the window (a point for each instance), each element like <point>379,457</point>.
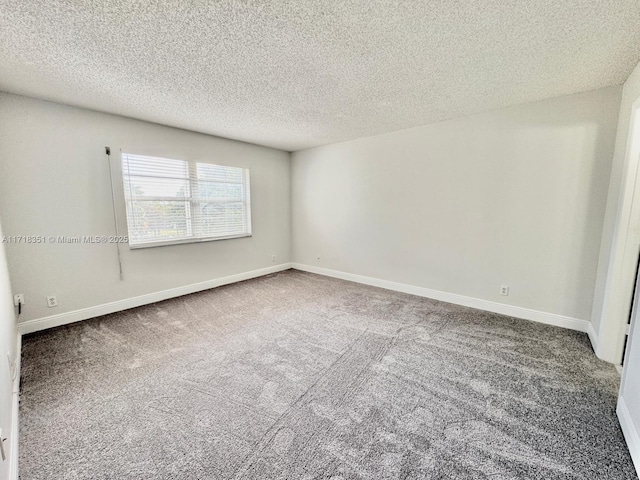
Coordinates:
<point>175,201</point>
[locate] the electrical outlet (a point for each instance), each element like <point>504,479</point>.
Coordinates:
<point>273,258</point>
<point>18,299</point>
<point>52,301</point>
<point>504,290</point>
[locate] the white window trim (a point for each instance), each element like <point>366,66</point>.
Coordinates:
<point>164,243</point>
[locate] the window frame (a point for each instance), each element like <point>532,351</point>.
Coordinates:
<point>192,203</point>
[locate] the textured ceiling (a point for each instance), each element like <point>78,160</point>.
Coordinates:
<point>295,74</point>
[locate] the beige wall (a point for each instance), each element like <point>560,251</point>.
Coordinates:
<point>513,197</point>
<point>54,180</point>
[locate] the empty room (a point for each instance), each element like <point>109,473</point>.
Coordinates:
<point>319,239</point>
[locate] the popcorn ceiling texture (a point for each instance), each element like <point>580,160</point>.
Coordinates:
<point>296,74</point>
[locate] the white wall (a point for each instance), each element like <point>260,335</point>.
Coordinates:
<point>513,197</point>
<point>617,261</point>
<point>54,180</point>
<point>8,338</point>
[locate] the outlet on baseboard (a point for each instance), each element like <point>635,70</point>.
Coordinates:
<point>52,301</point>
<point>273,258</point>
<point>504,290</point>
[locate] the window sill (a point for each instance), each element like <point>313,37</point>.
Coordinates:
<point>183,241</point>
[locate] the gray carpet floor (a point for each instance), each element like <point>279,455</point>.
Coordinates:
<point>299,376</point>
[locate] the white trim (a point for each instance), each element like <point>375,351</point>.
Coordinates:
<point>13,455</point>
<point>593,337</point>
<point>510,310</point>
<point>630,432</point>
<point>182,241</point>
<point>38,324</point>
<point>623,251</point>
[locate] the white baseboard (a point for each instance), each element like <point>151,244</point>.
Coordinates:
<point>630,432</point>
<point>38,324</point>
<point>510,310</point>
<point>13,454</point>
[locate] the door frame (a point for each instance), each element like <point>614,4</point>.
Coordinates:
<point>618,293</point>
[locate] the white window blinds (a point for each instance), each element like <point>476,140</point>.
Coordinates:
<point>176,201</point>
